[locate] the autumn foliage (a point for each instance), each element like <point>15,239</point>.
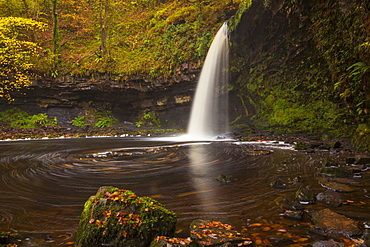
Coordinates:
<point>17,53</point>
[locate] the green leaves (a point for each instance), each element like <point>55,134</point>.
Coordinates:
<point>21,119</point>
<point>341,35</point>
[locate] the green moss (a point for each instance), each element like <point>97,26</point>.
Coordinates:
<point>361,138</point>
<point>120,218</point>
<point>235,20</point>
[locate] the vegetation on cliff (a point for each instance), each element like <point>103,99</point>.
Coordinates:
<point>304,66</point>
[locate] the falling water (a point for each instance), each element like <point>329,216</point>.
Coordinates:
<point>209,114</point>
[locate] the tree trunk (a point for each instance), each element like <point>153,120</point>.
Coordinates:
<point>103,16</point>
<point>56,38</point>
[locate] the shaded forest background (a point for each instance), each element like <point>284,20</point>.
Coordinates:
<point>296,66</point>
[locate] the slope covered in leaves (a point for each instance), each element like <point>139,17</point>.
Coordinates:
<point>122,37</point>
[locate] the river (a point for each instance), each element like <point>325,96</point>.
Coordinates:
<point>44,183</point>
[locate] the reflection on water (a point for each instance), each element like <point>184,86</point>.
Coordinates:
<point>202,177</point>
<point>45,183</point>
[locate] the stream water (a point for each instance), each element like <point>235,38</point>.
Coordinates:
<point>44,183</point>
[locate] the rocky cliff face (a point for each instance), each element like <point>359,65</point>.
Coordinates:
<point>128,99</point>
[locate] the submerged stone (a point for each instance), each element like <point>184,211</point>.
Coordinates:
<point>334,225</point>
<point>292,205</point>
<point>359,160</point>
<point>336,172</point>
<point>328,243</point>
<point>216,233</point>
<point>279,184</point>
<point>115,217</point>
<point>297,215</point>
<point>280,241</point>
<point>335,185</point>
<point>330,197</point>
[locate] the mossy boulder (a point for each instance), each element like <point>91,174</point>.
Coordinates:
<point>116,217</point>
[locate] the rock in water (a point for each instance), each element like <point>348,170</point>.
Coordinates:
<point>305,195</point>
<point>328,243</point>
<point>215,233</point>
<point>331,183</point>
<point>334,225</point>
<point>330,197</point>
<point>115,217</point>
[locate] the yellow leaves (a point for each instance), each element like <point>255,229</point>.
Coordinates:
<point>99,223</point>
<point>107,213</point>
<point>16,53</point>
<point>13,25</point>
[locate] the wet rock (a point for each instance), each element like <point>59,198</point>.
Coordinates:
<point>330,197</point>
<point>328,243</point>
<point>366,237</point>
<point>115,217</point>
<point>280,241</point>
<point>215,233</point>
<point>31,242</point>
<point>305,195</point>
<point>351,160</point>
<point>336,172</point>
<point>363,161</point>
<point>297,215</point>
<point>336,144</point>
<point>359,160</point>
<point>333,225</point>
<point>279,184</point>
<point>292,205</point>
<point>332,184</point>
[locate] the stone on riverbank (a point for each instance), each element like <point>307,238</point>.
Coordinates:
<point>115,217</point>
<point>216,233</point>
<point>333,225</point>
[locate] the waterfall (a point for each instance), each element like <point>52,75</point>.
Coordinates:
<point>209,112</point>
